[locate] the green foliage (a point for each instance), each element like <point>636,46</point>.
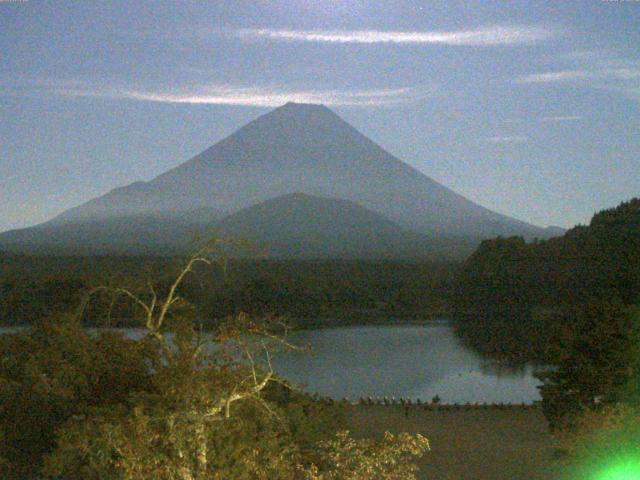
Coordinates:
<point>567,302</point>
<point>344,458</point>
<point>157,439</point>
<point>604,444</point>
<point>185,429</point>
<point>600,366</point>
<point>54,371</point>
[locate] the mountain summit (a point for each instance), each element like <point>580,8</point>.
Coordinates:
<point>300,148</point>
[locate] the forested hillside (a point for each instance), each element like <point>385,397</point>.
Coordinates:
<point>515,299</point>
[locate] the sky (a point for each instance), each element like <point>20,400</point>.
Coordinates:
<point>531,109</point>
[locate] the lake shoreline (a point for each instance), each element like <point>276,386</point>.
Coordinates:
<point>297,323</point>
<point>332,322</point>
<point>410,359</point>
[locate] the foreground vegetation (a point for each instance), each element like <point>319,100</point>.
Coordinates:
<point>175,404</point>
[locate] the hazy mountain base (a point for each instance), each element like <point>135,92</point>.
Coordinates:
<point>292,226</point>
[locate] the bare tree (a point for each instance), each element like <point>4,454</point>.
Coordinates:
<point>246,374</point>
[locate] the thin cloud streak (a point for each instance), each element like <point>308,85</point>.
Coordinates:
<point>557,76</point>
<point>274,98</point>
<point>488,36</point>
<point>614,75</point>
<point>561,118</point>
<point>621,74</point>
<point>218,94</point>
<point>507,139</point>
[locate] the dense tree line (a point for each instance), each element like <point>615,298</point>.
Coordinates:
<point>573,303</point>
<point>34,287</point>
<point>591,396</point>
<point>599,365</point>
<point>516,299</point>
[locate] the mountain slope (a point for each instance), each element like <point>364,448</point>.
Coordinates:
<point>304,226</point>
<point>304,148</point>
<point>132,234</point>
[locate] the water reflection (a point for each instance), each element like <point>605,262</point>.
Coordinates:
<point>414,361</point>
<point>417,361</point>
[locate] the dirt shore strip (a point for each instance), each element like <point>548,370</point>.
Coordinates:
<point>469,444</point>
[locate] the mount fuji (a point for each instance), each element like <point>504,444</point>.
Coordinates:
<point>301,149</point>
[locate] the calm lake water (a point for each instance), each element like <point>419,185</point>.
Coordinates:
<point>413,361</point>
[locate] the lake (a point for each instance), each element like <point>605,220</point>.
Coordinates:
<point>412,361</point>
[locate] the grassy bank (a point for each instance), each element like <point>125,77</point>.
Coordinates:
<point>478,444</point>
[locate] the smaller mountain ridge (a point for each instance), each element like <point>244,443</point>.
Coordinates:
<point>290,226</point>
<point>135,234</point>
<point>299,225</point>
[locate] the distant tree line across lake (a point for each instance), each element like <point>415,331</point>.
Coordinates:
<point>310,292</point>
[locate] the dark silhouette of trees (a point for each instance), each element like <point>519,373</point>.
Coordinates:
<point>57,370</point>
<point>32,288</point>
<point>513,299</point>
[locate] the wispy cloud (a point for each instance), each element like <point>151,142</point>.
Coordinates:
<point>271,97</point>
<point>595,69</point>
<point>626,73</point>
<point>561,118</point>
<point>555,76</point>
<point>508,139</point>
<point>487,36</point>
<point>219,94</point>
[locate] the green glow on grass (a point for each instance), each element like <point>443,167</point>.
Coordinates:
<point>627,469</point>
